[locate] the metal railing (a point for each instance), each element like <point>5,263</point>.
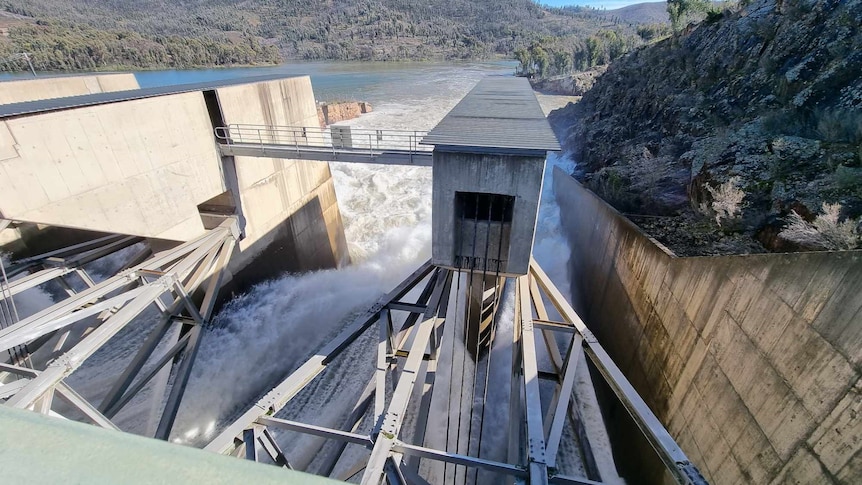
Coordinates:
<point>335,138</point>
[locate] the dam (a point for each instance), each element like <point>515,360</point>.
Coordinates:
<point>209,186</point>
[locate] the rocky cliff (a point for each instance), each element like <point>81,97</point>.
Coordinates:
<point>576,84</point>
<point>722,133</point>
<point>329,113</point>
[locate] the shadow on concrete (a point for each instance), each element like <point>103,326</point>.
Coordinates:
<point>300,243</point>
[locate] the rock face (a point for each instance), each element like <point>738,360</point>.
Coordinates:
<point>329,113</point>
<point>576,84</point>
<point>768,97</point>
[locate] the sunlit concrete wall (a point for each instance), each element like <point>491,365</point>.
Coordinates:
<point>135,167</point>
<point>517,176</point>
<point>37,88</point>
<point>289,202</point>
<point>752,362</point>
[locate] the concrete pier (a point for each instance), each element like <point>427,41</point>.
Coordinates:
<point>145,162</point>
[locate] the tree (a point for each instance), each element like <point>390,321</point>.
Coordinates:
<point>681,11</point>
<point>541,59</point>
<point>562,62</point>
<point>525,61</point>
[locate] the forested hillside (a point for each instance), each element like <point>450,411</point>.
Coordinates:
<point>88,34</point>
<point>741,134</point>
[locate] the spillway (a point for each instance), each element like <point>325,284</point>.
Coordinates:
<point>265,334</point>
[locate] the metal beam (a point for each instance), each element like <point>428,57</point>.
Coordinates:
<point>569,480</point>
<point>73,359</point>
<point>58,267</point>
<point>10,388</point>
<point>327,154</point>
<point>565,393</point>
<point>457,459</point>
<point>585,447</point>
<point>267,441</point>
<point>26,263</point>
<point>553,326</point>
<point>169,414</point>
<point>58,310</point>
<point>69,395</point>
<point>34,279</point>
<point>121,401</point>
<point>535,433</point>
<point>394,416</point>
<point>137,363</point>
<point>249,438</point>
<point>352,422</point>
<point>30,329</point>
<point>172,405</point>
<point>335,434</point>
<point>279,396</point>
<point>665,446</point>
<point>384,350</point>
<point>407,307</point>
<point>18,370</point>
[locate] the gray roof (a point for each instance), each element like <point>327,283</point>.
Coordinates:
<point>55,104</point>
<point>499,115</point>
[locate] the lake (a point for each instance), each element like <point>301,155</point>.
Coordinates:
<point>367,81</point>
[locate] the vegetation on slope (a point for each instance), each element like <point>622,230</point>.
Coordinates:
<point>632,27</point>
<point>724,132</point>
<point>61,46</point>
<point>244,32</point>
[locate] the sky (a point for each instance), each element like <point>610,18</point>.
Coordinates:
<point>607,4</point>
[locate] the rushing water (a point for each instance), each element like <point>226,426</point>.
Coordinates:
<point>262,335</point>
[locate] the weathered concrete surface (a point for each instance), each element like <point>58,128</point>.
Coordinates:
<point>286,201</point>
<point>753,361</point>
<point>135,167</point>
<point>34,89</point>
<point>150,167</point>
<point>516,176</point>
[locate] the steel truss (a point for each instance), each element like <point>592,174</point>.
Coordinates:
<point>534,438</point>
<point>172,281</point>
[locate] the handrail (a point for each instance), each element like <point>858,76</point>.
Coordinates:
<point>334,137</point>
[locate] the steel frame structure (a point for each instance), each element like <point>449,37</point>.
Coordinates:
<point>168,280</point>
<point>534,438</point>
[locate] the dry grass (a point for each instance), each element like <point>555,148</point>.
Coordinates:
<point>726,200</point>
<point>825,232</point>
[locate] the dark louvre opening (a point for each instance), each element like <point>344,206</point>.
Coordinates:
<point>484,207</point>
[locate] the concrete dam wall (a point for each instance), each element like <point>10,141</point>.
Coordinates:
<point>751,361</point>
<point>60,87</point>
<point>145,162</point>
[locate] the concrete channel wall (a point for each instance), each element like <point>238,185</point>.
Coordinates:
<point>284,200</point>
<point>134,167</point>
<point>32,89</point>
<point>751,361</point>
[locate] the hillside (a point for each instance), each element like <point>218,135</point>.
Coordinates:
<point>743,134</point>
<point>304,29</point>
<point>639,13</point>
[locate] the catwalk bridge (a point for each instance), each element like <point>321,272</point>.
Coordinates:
<point>334,143</point>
